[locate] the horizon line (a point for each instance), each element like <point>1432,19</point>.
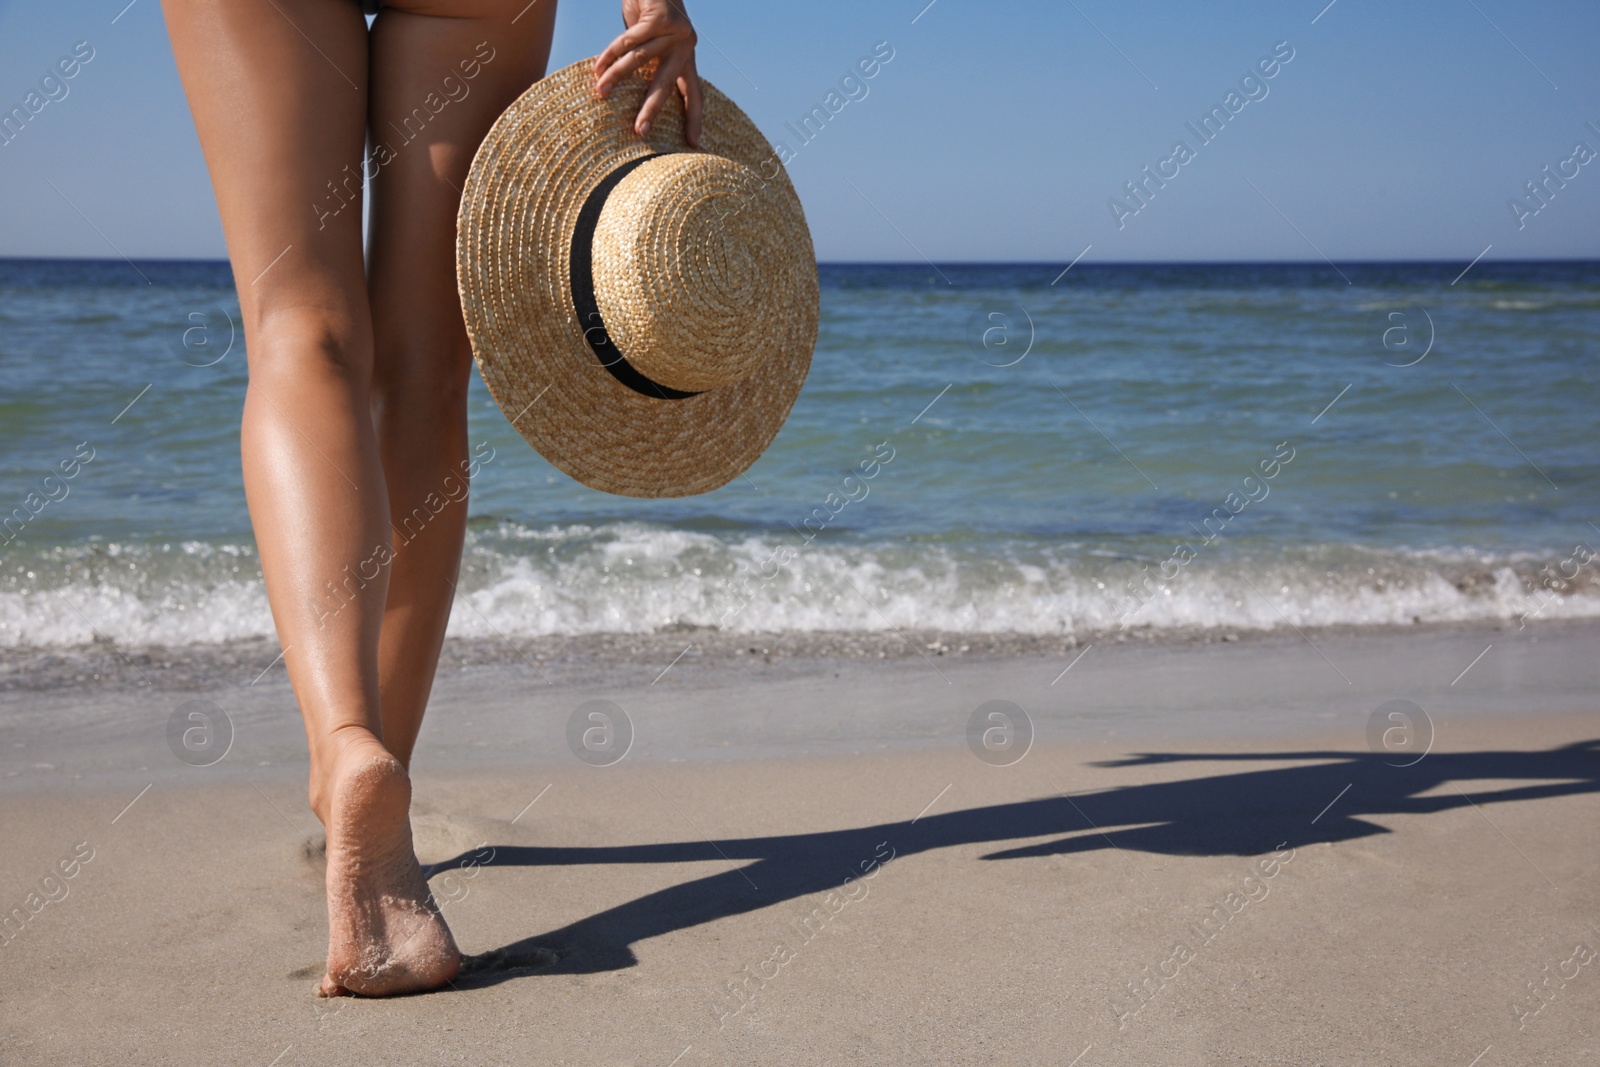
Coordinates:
<point>1040,263</point>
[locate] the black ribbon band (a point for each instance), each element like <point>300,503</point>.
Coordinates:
<point>580,273</point>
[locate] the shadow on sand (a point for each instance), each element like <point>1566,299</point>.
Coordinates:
<point>1242,814</point>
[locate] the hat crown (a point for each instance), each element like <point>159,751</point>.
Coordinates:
<point>690,272</point>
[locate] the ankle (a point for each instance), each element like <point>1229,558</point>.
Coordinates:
<point>328,755</point>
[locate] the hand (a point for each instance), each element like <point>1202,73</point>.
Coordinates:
<point>657,29</point>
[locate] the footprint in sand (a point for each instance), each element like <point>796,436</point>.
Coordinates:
<point>438,837</point>
<point>494,962</point>
<point>506,960</point>
<point>314,850</point>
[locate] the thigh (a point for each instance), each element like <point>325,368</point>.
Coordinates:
<point>278,92</point>
<point>442,72</point>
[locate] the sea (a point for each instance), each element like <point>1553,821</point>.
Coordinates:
<point>978,448</point>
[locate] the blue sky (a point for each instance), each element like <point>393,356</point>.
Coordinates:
<point>999,131</point>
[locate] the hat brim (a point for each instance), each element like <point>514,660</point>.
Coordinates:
<point>528,182</point>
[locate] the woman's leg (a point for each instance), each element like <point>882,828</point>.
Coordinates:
<point>278,92</point>
<point>442,72</point>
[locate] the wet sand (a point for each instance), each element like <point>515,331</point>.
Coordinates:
<point>1201,858</point>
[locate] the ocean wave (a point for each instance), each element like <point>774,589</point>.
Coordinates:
<point>628,577</point>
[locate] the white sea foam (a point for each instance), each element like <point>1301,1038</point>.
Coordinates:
<point>631,577</point>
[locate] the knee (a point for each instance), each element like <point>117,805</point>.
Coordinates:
<point>301,341</point>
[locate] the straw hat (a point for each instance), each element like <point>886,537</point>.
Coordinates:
<point>644,314</point>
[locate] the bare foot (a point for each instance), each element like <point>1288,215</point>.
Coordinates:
<point>385,933</point>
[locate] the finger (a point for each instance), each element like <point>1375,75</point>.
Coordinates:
<point>693,104</point>
<point>658,95</point>
<point>627,40</point>
<point>662,87</point>
<point>631,61</point>
<point>625,64</point>
<point>627,44</point>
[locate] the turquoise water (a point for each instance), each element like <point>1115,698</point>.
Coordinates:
<point>1079,437</point>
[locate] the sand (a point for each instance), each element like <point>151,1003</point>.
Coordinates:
<point>1200,859</point>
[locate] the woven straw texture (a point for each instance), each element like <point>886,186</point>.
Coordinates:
<point>703,270</point>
